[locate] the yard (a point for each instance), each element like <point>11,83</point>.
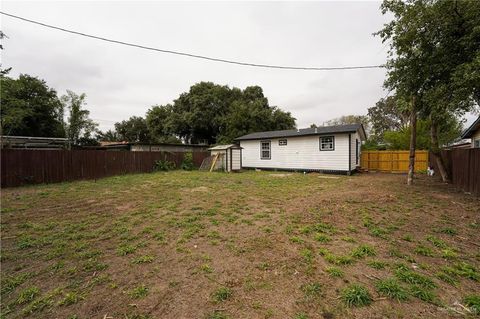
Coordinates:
<point>248,245</point>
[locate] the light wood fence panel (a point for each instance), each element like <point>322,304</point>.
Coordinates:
<point>392,161</point>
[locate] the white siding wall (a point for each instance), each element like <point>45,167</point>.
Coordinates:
<point>299,153</point>
<point>476,136</point>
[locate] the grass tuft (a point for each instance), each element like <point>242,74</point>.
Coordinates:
<point>424,251</point>
<point>473,302</point>
<point>311,290</point>
<point>143,259</point>
<point>27,295</point>
<point>391,288</point>
<point>356,295</point>
<point>335,272</point>
<point>139,292</point>
<point>222,294</point>
<point>363,251</point>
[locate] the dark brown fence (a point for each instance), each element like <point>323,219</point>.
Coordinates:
<point>463,166</point>
<point>20,167</point>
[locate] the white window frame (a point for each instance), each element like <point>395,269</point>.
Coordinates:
<point>262,150</point>
<point>476,143</point>
<point>282,142</point>
<point>324,144</point>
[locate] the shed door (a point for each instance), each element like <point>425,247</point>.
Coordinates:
<point>236,159</point>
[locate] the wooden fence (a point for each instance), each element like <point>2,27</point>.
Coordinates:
<point>392,161</point>
<point>20,167</point>
<point>463,166</point>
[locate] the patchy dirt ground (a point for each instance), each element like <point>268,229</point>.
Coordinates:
<point>248,245</point>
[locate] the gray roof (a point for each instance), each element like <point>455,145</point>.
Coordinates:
<point>322,130</point>
<point>223,147</point>
<point>473,128</point>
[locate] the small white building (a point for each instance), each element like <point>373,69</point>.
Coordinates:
<point>473,133</point>
<point>229,157</point>
<point>329,149</point>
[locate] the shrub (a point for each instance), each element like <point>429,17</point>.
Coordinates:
<point>356,296</point>
<point>164,165</point>
<point>187,163</point>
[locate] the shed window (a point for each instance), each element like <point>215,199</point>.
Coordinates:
<point>265,149</point>
<point>282,142</point>
<point>477,143</point>
<point>327,143</point>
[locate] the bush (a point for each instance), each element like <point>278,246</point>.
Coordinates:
<point>164,165</point>
<point>187,163</point>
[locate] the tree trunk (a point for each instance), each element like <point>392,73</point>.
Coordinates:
<point>413,141</point>
<point>435,148</point>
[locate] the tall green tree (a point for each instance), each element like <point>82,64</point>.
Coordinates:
<point>434,61</point>
<point>386,115</point>
<point>79,127</point>
<point>30,108</point>
<point>108,136</point>
<point>163,123</point>
<point>133,130</point>
<point>400,139</point>
<point>211,113</point>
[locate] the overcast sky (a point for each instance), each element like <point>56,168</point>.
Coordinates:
<point>120,81</point>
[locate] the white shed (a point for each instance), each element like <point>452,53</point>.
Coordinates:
<point>227,157</point>
<point>329,149</point>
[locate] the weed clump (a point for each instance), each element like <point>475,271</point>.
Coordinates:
<point>356,296</point>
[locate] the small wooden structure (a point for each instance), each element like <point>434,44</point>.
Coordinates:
<point>227,158</point>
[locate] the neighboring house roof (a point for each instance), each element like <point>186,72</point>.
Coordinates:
<point>223,147</point>
<point>472,129</point>
<point>322,130</point>
<point>33,142</point>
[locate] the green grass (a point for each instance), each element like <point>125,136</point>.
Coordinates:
<point>143,259</point>
<point>126,249</point>
<point>473,302</point>
<point>121,237</point>
<point>217,314</point>
<point>375,264</point>
<point>222,294</point>
<point>70,298</point>
<point>9,283</point>
<point>322,238</point>
<point>312,290</point>
<point>449,231</point>
<point>391,288</point>
<point>412,277</point>
<point>437,242</point>
<point>363,251</point>
<point>356,295</point>
<point>139,292</point>
<point>424,251</point>
<point>335,272</point>
<point>423,293</point>
<point>27,295</point>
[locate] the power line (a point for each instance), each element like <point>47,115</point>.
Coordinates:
<point>194,55</point>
